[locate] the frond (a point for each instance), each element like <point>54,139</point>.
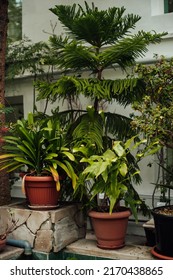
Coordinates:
<point>61,89</point>
<point>66,14</point>
<point>97,27</point>
<point>118,126</point>
<point>76,56</point>
<point>127,50</point>
<point>89,130</point>
<point>58,42</point>
<point>124,91</point>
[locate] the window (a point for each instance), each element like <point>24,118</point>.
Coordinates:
<point>168,6</point>
<point>16,103</point>
<point>15,20</point>
<point>160,7</point>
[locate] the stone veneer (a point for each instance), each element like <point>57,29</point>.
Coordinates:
<point>46,230</point>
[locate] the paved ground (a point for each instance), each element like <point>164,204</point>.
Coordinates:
<point>135,248</point>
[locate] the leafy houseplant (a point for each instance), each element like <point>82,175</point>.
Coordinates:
<point>38,144</point>
<point>155,121</point>
<point>111,175</point>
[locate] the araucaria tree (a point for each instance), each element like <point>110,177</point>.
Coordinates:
<point>97,40</point>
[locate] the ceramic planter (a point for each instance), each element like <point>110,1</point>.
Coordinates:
<point>110,229</point>
<point>41,192</point>
<point>163,231</point>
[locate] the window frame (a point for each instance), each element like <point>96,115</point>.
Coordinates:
<point>166,7</point>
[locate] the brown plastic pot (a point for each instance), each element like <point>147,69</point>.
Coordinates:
<point>110,229</point>
<point>41,192</point>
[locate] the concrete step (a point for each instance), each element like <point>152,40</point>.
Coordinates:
<point>135,249</point>
<point>11,253</point>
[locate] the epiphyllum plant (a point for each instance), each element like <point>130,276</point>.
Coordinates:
<point>38,144</point>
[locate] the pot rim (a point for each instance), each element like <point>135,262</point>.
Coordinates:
<point>38,178</point>
<point>154,211</point>
<point>104,215</point>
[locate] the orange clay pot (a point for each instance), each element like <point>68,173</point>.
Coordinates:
<point>41,192</point>
<point>110,229</point>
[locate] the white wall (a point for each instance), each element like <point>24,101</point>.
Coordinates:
<point>37,17</point>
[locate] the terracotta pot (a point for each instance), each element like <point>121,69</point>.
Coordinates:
<point>2,244</point>
<point>110,229</point>
<point>41,192</point>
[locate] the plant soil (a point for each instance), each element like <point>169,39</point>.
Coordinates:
<point>168,210</point>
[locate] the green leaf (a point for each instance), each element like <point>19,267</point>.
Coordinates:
<point>24,161</point>
<point>69,155</point>
<point>30,118</point>
<point>73,175</point>
<point>123,169</point>
<point>26,134</point>
<point>11,166</point>
<point>118,148</point>
<point>7,156</point>
<point>51,156</point>
<point>109,155</point>
<point>27,152</point>
<point>129,142</point>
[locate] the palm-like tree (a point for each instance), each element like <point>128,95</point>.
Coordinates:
<point>97,40</point>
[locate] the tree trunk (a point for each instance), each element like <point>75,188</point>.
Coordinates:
<point>4,179</point>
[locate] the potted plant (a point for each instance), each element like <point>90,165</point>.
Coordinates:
<point>111,175</point>
<point>155,121</point>
<point>38,144</point>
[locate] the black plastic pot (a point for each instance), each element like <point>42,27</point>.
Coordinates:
<point>163,231</point>
<point>150,236</point>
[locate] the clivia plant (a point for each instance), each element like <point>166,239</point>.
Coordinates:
<point>38,145</point>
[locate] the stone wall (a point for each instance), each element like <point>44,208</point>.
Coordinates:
<point>46,231</point>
